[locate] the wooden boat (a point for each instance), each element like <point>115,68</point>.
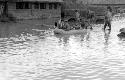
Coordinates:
<point>63,32</point>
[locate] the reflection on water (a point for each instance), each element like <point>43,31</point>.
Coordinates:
<point>29,53</point>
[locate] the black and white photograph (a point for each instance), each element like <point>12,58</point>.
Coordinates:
<point>62,39</point>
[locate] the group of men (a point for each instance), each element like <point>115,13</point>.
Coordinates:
<point>82,24</point>
<point>79,24</point>
<point>61,24</point>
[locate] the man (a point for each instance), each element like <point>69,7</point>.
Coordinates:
<point>61,24</point>
<point>108,18</point>
<point>77,15</point>
<point>77,26</point>
<point>67,27</point>
<point>83,24</point>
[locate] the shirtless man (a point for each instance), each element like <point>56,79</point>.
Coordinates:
<point>108,18</point>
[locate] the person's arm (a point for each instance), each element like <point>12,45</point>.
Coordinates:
<point>111,16</point>
<point>105,16</point>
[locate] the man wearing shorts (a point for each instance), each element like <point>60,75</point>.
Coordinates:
<point>108,18</point>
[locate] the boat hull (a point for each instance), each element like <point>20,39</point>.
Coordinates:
<point>60,31</point>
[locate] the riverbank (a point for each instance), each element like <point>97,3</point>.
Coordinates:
<point>31,23</point>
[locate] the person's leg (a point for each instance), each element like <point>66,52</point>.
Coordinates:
<point>109,24</point>
<point>105,25</point>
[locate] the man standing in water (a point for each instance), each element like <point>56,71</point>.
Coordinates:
<point>108,18</point>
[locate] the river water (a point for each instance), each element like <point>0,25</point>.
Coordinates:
<point>36,53</point>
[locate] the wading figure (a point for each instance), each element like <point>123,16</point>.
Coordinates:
<point>108,18</point>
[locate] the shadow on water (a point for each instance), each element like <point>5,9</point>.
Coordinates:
<point>4,31</point>
<point>66,38</point>
<point>9,30</point>
<point>106,42</point>
<point>13,29</point>
<point>107,35</point>
<point>63,39</point>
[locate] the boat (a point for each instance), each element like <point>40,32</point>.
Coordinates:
<point>122,32</point>
<point>63,32</point>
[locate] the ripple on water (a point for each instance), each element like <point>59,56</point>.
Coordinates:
<point>45,56</point>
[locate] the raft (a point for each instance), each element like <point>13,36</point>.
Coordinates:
<point>63,32</point>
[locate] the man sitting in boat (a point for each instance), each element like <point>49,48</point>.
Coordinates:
<point>77,26</point>
<point>83,24</point>
<point>66,26</point>
<point>60,24</point>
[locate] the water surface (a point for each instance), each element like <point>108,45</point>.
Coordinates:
<point>36,53</point>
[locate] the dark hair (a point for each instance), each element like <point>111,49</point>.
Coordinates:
<point>109,8</point>
<point>76,10</point>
